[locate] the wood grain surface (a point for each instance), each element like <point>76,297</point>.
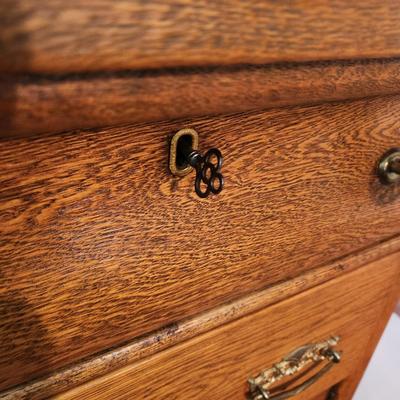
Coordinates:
<point>60,36</point>
<point>101,244</point>
<point>31,105</point>
<point>217,365</point>
<point>349,387</point>
<point>106,362</point>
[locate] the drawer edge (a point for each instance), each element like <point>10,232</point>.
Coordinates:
<point>102,364</point>
<point>47,104</point>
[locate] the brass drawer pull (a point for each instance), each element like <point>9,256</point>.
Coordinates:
<point>389,167</point>
<point>259,387</point>
<point>184,156</point>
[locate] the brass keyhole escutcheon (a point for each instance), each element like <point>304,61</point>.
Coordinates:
<point>185,138</point>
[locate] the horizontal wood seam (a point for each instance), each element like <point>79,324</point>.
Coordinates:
<point>48,104</point>
<point>42,77</point>
<point>172,334</point>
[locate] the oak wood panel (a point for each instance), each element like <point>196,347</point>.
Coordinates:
<point>53,104</point>
<point>146,345</point>
<point>351,385</point>
<point>60,36</point>
<point>216,365</point>
<point>98,244</point>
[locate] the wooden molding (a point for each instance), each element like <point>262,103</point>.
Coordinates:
<point>37,104</point>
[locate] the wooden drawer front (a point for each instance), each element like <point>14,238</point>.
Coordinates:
<point>74,36</point>
<point>216,365</point>
<point>101,244</point>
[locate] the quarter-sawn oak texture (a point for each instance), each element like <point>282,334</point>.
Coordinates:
<point>73,36</point>
<point>216,365</point>
<point>106,245</point>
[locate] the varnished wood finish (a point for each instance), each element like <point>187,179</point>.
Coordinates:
<point>99,244</point>
<point>60,36</point>
<point>349,388</point>
<point>216,365</point>
<point>144,346</point>
<point>54,104</point>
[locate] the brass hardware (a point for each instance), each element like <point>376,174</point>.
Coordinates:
<point>174,164</point>
<point>389,167</point>
<point>260,387</point>
<point>184,156</point>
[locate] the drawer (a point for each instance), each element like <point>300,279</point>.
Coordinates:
<point>101,244</point>
<point>122,35</point>
<point>216,365</point>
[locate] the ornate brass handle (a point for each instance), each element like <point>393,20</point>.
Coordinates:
<point>389,167</point>
<point>260,386</point>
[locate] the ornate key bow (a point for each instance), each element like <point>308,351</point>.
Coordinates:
<point>207,172</point>
<point>184,156</point>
